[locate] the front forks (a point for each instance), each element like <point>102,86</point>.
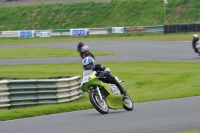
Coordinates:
<point>99,94</point>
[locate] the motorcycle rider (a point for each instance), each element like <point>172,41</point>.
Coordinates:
<point>79,46</point>
<point>102,72</point>
<point>194,43</point>
<point>84,50</point>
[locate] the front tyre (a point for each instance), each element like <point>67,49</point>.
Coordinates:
<point>100,106</point>
<point>127,103</point>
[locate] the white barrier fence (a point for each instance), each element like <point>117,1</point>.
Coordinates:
<point>4,94</point>
<point>9,34</point>
<point>37,33</point>
<point>98,31</point>
<point>21,92</point>
<point>80,31</point>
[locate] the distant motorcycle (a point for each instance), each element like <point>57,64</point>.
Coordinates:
<point>104,95</point>
<point>198,46</point>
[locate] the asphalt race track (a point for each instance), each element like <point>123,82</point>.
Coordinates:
<point>126,51</point>
<point>149,117</point>
<point>172,115</point>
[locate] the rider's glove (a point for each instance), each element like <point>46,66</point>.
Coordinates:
<point>107,70</point>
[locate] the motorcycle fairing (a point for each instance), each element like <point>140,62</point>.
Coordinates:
<point>114,101</point>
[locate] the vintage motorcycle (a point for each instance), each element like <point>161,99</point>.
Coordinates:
<point>103,95</point>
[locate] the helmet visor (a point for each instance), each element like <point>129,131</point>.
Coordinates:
<point>88,67</point>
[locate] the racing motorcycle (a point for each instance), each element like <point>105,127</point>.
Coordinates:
<point>104,95</point>
<point>198,46</point>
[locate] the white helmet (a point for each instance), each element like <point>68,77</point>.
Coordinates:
<point>84,48</point>
<point>195,35</point>
<point>88,63</point>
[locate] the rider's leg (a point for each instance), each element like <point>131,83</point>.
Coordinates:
<point>122,90</point>
<point>112,80</point>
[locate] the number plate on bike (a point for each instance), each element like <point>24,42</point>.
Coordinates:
<point>114,90</point>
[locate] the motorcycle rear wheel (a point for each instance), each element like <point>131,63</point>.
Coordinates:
<point>100,106</point>
<point>127,103</point>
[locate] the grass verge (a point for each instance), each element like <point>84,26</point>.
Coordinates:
<point>190,131</point>
<point>39,52</point>
<point>145,81</point>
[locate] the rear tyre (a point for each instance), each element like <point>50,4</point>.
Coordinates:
<point>100,106</point>
<point>127,103</point>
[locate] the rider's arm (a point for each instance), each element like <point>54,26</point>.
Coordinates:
<point>99,67</point>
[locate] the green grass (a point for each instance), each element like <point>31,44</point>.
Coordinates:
<point>190,131</point>
<point>145,81</point>
<point>92,14</point>
<point>39,52</point>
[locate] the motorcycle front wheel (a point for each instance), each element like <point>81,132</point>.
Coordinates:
<point>100,106</point>
<point>127,103</point>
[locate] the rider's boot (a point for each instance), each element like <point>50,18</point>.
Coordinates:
<point>122,90</point>
<point>117,83</point>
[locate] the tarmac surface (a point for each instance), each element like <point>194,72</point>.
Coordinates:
<point>125,51</point>
<point>163,116</point>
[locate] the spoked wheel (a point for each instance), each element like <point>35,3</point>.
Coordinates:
<point>100,106</point>
<point>128,104</point>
